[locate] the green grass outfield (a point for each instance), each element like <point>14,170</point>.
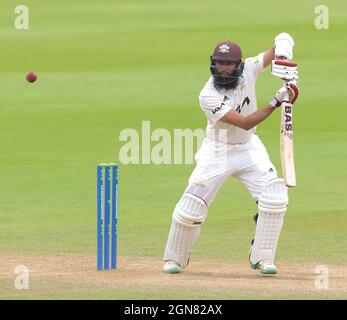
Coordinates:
<point>107,65</point>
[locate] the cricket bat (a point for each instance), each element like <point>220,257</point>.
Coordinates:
<point>286,143</point>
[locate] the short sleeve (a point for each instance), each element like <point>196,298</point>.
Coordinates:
<point>255,65</point>
<point>214,107</point>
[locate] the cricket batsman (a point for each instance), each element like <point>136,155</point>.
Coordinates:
<point>231,148</point>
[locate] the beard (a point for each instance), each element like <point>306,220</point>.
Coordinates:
<point>225,86</point>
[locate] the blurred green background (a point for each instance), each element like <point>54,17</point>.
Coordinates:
<point>104,66</point>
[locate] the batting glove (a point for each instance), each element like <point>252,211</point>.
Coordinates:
<point>284,44</point>
<point>285,70</point>
<point>292,88</point>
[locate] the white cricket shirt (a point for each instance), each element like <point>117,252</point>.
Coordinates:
<point>216,104</point>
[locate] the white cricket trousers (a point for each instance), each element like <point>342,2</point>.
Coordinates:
<point>216,161</point>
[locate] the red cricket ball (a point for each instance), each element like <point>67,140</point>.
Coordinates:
<point>31,77</point>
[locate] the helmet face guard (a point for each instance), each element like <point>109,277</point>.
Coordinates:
<point>226,82</point>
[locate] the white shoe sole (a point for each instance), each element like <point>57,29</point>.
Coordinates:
<point>172,268</point>
<point>265,270</point>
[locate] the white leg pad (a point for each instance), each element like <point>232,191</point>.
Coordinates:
<point>272,206</point>
<point>187,218</point>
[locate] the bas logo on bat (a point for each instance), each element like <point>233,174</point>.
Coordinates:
<point>288,120</point>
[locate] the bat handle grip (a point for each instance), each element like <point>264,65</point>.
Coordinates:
<point>286,97</point>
